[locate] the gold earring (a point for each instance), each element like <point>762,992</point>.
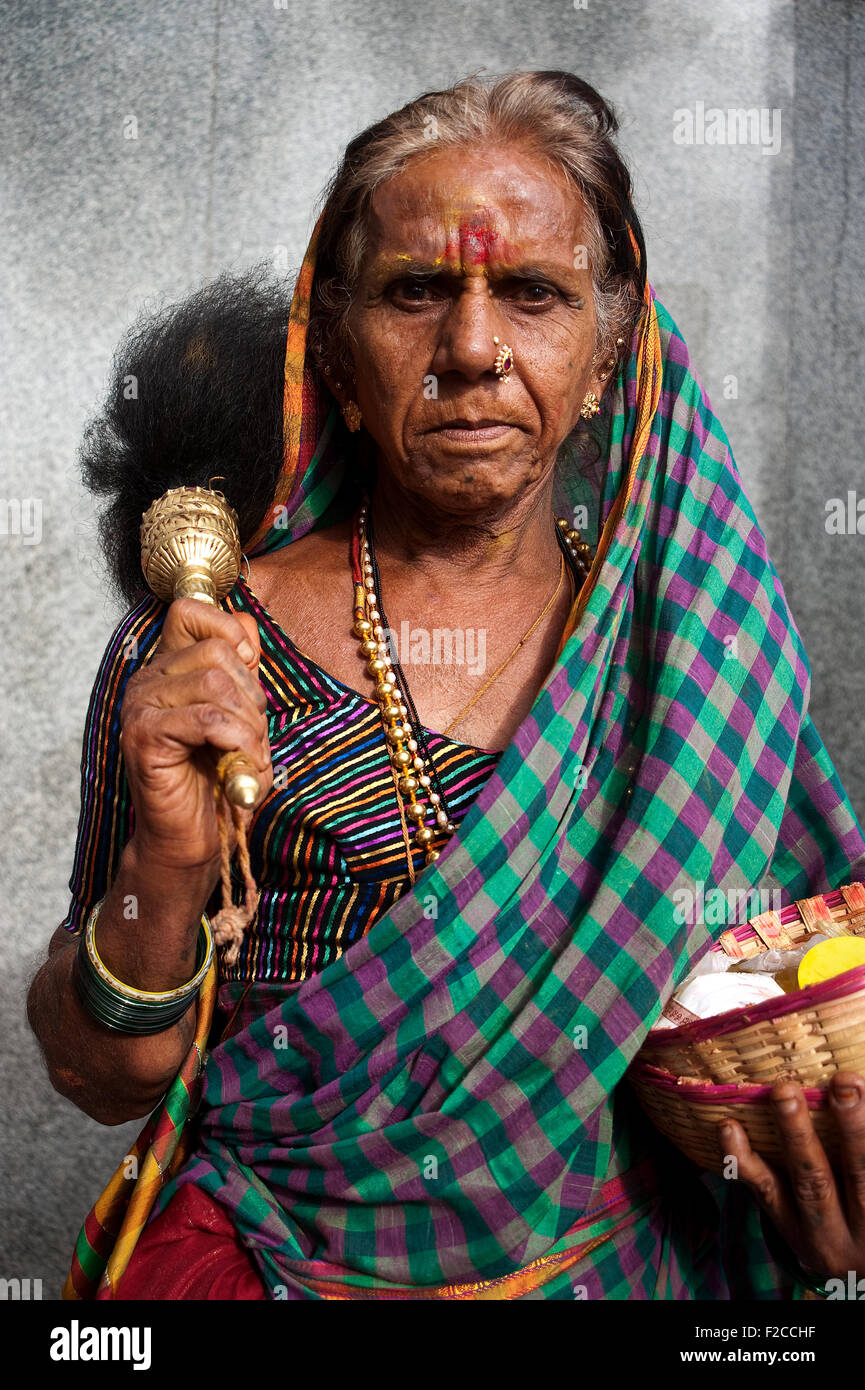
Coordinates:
<point>353,417</point>
<point>590,407</point>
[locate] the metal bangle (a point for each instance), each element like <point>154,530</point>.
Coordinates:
<point>124,1008</point>
<point>145,995</point>
<point>134,1020</point>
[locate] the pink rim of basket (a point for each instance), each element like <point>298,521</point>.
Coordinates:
<point>720,1024</point>
<point>712,1092</point>
<point>788,914</point>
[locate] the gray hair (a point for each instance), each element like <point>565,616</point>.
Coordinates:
<point>556,116</point>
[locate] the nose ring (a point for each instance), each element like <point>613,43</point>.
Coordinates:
<point>504,361</point>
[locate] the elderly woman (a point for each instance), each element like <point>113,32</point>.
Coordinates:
<point>411,1084</point>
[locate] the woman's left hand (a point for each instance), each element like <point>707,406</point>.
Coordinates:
<point>820,1213</point>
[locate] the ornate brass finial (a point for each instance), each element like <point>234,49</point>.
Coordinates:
<point>190,546</point>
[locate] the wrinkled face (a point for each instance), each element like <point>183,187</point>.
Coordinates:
<point>466,246</point>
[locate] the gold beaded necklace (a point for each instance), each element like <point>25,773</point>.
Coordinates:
<point>415,774</point>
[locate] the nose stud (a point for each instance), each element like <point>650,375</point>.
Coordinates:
<point>504,361</point>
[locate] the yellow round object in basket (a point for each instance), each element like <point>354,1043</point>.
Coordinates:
<point>830,958</point>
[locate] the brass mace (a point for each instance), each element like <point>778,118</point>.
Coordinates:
<point>190,548</point>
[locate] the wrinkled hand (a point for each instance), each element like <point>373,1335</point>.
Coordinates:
<point>820,1213</point>
<point>199,695</point>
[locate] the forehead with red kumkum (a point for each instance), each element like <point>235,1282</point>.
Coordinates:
<point>477,240</point>
<point>464,232</point>
<point>473,245</point>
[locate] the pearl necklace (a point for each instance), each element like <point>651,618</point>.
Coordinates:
<point>413,774</point>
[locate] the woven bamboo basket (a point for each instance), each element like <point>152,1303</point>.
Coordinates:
<point>692,1077</point>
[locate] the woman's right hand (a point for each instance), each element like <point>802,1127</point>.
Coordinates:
<point>199,693</point>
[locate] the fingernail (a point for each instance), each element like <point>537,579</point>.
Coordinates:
<point>846,1096</point>
<point>786,1104</point>
<point>726,1131</point>
<point>247,651</point>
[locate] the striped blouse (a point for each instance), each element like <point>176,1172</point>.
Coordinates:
<point>327,845</point>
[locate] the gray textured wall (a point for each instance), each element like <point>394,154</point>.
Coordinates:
<point>242,108</point>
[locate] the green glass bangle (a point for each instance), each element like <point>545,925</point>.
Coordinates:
<point>122,1007</point>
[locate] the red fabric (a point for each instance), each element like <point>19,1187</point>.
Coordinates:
<point>190,1251</point>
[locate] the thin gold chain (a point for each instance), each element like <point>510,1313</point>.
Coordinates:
<point>521,642</point>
